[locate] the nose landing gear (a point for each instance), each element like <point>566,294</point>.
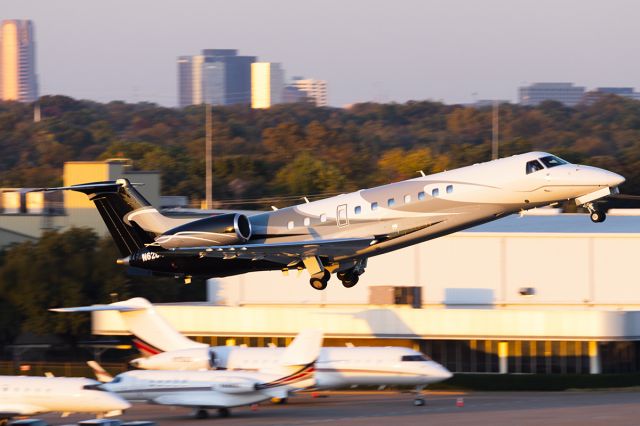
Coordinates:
<point>596,214</point>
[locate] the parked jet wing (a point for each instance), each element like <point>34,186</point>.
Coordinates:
<point>283,252</point>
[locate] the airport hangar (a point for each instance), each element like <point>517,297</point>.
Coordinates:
<point>534,294</point>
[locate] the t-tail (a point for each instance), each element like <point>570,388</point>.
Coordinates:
<point>297,366</point>
<point>152,333</point>
<point>117,202</point>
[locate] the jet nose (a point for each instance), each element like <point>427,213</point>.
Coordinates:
<point>445,374</point>
<point>612,179</point>
<point>599,177</point>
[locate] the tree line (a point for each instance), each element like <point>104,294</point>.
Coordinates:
<point>299,149</point>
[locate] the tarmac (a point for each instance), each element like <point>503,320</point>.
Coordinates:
<point>583,407</point>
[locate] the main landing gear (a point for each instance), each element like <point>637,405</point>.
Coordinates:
<point>320,281</point>
<point>320,278</point>
<point>596,214</point>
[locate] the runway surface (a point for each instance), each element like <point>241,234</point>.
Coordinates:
<point>610,407</point>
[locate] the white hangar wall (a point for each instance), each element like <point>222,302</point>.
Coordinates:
<point>572,267</point>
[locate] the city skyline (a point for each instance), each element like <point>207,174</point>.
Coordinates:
<point>455,51</point>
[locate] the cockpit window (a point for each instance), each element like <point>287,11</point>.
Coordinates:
<point>534,166</point>
<point>552,161</point>
<point>414,358</point>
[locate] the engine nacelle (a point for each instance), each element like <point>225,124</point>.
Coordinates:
<point>235,385</point>
<point>220,230</point>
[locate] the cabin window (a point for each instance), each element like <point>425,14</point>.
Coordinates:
<point>357,210</point>
<point>374,206</point>
<point>323,217</point>
<point>421,195</point>
<point>533,166</point>
<point>407,199</point>
<point>391,202</point>
<point>435,192</point>
<point>290,224</point>
<point>307,221</point>
<point>449,189</point>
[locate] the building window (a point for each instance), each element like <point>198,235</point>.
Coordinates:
<point>449,189</point>
<point>307,221</point>
<point>357,210</point>
<point>407,199</point>
<point>323,217</point>
<point>391,202</point>
<point>290,224</point>
<point>435,192</point>
<point>374,206</point>
<point>421,195</point>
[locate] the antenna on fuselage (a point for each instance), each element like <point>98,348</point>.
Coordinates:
<point>306,200</point>
<point>422,173</point>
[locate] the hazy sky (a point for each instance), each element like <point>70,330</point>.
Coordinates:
<point>450,50</point>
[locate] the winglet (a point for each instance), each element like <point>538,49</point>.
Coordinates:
<point>101,373</point>
<point>304,350</point>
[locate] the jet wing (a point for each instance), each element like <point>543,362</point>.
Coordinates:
<point>284,253</point>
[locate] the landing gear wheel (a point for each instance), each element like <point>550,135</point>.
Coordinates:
<point>598,216</point>
<point>224,412</point>
<point>350,280</point>
<point>201,414</point>
<point>418,402</point>
<point>320,283</point>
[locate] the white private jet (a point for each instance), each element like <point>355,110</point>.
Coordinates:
<point>28,396</point>
<point>336,367</point>
<point>223,389</point>
<point>338,234</point>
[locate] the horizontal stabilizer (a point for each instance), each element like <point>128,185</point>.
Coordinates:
<point>101,374</point>
<point>96,308</point>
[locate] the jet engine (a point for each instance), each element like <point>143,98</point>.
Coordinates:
<point>220,230</point>
<point>235,385</point>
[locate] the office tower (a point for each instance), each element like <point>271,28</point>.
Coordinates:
<point>625,92</point>
<point>316,90</point>
<point>537,93</point>
<point>17,61</point>
<point>217,76</point>
<point>267,84</point>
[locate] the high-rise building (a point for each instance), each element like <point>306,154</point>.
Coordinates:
<point>267,84</point>
<point>625,92</point>
<point>18,80</point>
<point>537,93</point>
<point>316,90</point>
<point>217,76</point>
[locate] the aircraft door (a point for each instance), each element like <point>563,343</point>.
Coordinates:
<point>341,215</point>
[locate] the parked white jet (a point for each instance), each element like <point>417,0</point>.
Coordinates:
<point>336,367</point>
<point>338,234</point>
<point>27,396</point>
<point>204,390</point>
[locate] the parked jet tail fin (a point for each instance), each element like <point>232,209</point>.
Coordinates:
<point>153,334</point>
<point>304,349</point>
<point>101,374</point>
<point>115,200</point>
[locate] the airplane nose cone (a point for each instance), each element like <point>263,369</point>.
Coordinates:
<point>613,179</point>
<point>445,374</point>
